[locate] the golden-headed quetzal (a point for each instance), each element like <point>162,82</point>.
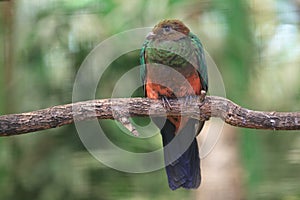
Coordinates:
<point>173,65</point>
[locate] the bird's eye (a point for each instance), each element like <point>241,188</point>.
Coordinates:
<point>167,28</point>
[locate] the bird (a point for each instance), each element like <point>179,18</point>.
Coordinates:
<point>172,65</point>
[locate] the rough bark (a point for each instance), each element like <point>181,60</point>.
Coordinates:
<point>212,106</point>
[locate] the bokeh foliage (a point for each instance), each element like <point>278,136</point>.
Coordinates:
<point>255,45</point>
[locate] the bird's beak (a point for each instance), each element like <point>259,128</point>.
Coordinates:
<point>150,35</point>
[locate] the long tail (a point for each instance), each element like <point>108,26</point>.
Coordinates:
<point>184,171</point>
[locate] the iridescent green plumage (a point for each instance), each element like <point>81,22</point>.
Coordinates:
<point>163,57</point>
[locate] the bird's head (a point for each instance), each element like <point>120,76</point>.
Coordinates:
<point>169,29</point>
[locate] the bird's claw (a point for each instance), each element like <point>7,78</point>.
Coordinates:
<point>202,95</point>
<point>187,99</point>
<point>166,103</point>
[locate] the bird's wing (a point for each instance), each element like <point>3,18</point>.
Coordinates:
<point>202,67</point>
<point>143,69</point>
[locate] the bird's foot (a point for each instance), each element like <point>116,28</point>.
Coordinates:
<point>202,95</point>
<point>166,103</point>
<point>187,100</point>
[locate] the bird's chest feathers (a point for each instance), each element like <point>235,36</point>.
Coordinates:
<point>171,53</point>
<point>171,69</point>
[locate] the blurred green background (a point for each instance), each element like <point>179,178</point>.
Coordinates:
<point>255,44</point>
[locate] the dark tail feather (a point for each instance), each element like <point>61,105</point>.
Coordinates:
<point>185,170</point>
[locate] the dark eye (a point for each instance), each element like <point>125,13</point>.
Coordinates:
<point>167,28</point>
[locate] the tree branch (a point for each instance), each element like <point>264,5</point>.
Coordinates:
<point>212,106</point>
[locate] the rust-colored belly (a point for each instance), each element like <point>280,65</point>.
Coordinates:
<point>172,83</point>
